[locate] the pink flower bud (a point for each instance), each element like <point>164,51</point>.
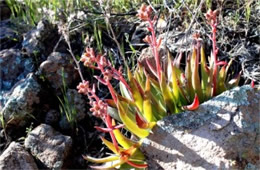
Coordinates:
<point>83,87</point>
<point>103,61</point>
<point>144,13</point>
<point>148,39</point>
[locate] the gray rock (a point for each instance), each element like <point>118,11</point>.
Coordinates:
<point>177,41</point>
<point>19,105</point>
<point>56,65</point>
<point>222,134</point>
<point>49,146</point>
<point>39,42</point>
<point>10,34</point>
<point>15,157</point>
<point>13,67</point>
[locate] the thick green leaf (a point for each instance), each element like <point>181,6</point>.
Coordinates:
<point>221,81</point>
<point>140,76</point>
<point>205,77</point>
<point>121,139</point>
<point>226,71</point>
<point>195,74</point>
<point>129,123</point>
<point>167,96</point>
<point>113,113</point>
<point>138,99</point>
<point>188,75</point>
<point>178,95</point>
<point>110,145</point>
<point>147,107</point>
<point>101,160</point>
<point>124,92</point>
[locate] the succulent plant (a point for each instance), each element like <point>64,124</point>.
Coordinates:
<point>144,99</point>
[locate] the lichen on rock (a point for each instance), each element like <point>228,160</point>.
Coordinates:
<point>19,105</point>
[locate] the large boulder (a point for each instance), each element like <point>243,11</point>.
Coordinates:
<point>48,146</point>
<point>222,134</point>
<point>16,157</point>
<point>21,101</point>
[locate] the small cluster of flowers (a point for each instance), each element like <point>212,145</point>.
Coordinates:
<point>99,62</point>
<point>211,16</point>
<point>145,12</point>
<point>98,107</point>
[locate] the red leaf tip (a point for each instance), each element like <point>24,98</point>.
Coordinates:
<point>252,84</point>
<point>195,104</point>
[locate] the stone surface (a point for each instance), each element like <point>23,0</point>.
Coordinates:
<point>20,103</point>
<point>222,134</point>
<point>57,64</point>
<point>177,41</point>
<point>15,157</point>
<point>13,67</point>
<point>10,34</point>
<point>39,42</point>
<point>48,146</point>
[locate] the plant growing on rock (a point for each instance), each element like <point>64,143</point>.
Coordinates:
<point>144,99</point>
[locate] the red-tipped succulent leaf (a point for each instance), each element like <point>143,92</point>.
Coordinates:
<point>195,104</point>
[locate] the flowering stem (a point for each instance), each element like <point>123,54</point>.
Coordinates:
<point>112,92</point>
<point>154,46</point>
<point>215,51</point>
<point>121,78</point>
<point>112,135</point>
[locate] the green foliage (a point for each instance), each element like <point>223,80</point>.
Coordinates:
<point>31,11</point>
<point>2,121</point>
<point>98,37</point>
<point>67,106</point>
<point>27,131</point>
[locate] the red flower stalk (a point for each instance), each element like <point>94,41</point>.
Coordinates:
<point>252,84</point>
<point>211,16</point>
<point>98,107</point>
<point>145,14</point>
